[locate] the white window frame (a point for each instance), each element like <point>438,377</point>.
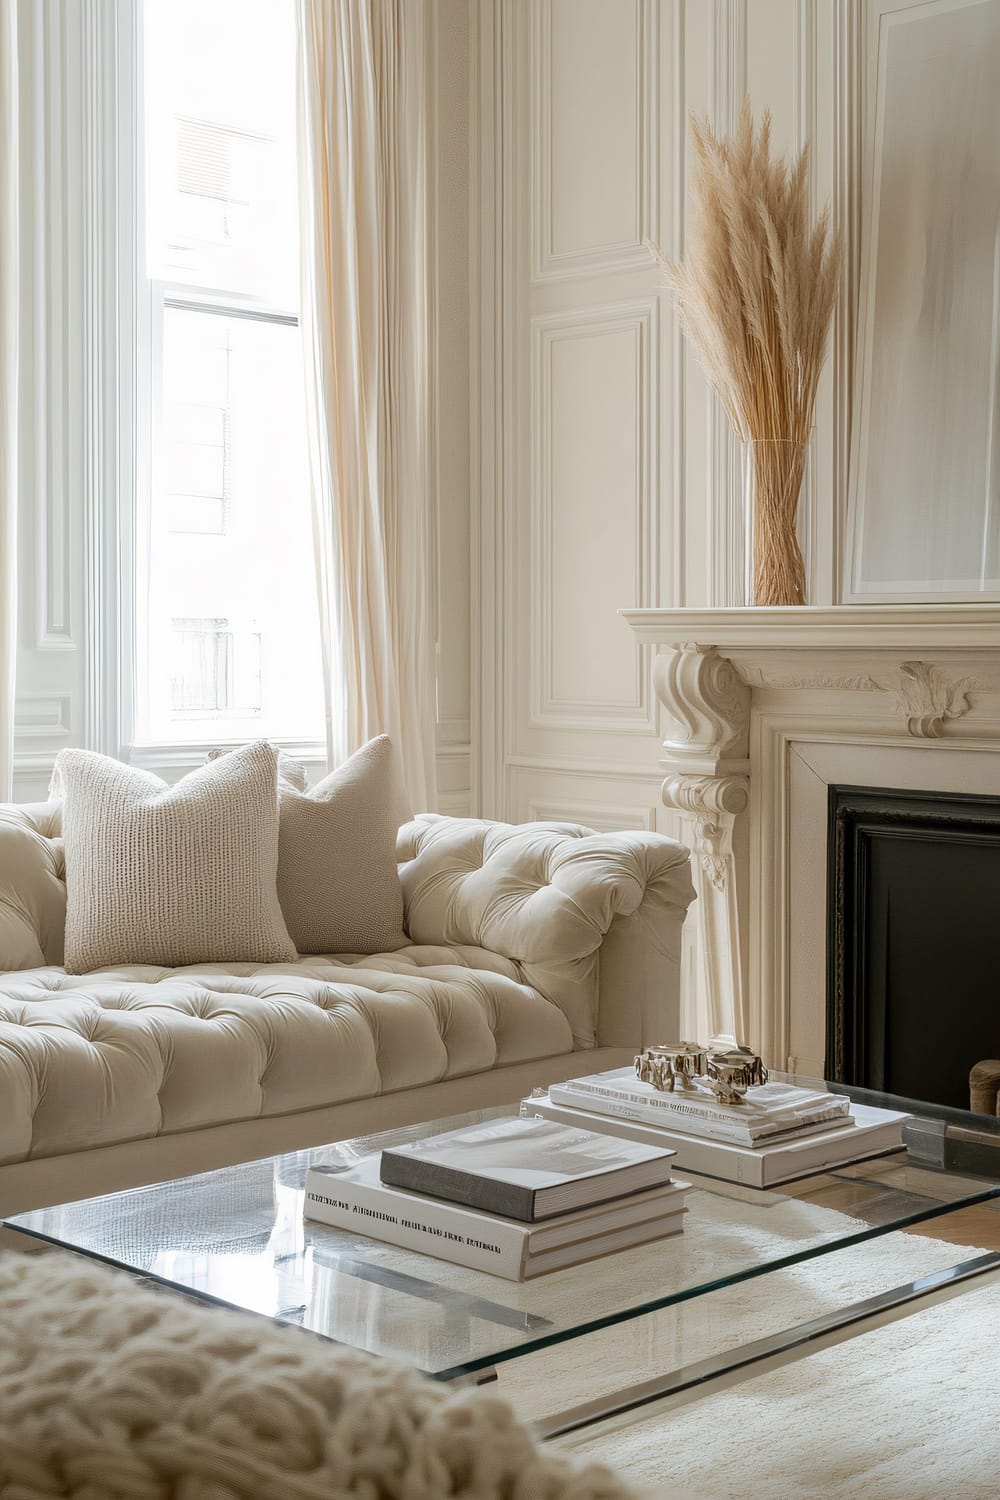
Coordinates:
<point>142,303</point>
<point>84,396</point>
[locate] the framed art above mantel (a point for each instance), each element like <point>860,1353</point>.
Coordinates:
<point>924,507</point>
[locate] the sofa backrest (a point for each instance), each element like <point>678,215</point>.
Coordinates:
<point>32,885</point>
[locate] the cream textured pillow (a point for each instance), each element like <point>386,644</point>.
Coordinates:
<point>171,875</point>
<point>337,877</point>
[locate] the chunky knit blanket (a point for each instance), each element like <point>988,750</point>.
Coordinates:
<point>114,1391</point>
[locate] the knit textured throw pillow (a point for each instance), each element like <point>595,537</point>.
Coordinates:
<point>337,877</point>
<point>171,875</point>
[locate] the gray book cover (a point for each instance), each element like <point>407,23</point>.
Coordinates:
<point>524,1168</point>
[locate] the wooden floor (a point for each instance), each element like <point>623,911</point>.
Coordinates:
<point>977,1225</point>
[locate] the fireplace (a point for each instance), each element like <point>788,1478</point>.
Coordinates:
<point>763,710</point>
<point>913,940</point>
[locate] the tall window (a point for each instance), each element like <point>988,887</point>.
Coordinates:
<point>226,619</point>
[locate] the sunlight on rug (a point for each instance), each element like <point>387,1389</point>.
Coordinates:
<point>906,1412</point>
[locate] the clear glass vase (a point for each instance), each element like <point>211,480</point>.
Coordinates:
<point>772,481</point>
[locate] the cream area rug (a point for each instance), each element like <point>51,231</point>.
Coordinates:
<point>909,1411</point>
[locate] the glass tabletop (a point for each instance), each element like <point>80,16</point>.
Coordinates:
<point>237,1236</point>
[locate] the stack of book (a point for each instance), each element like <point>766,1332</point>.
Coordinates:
<point>515,1197</point>
<point>781,1131</point>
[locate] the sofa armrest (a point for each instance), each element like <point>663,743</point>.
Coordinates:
<point>593,919</point>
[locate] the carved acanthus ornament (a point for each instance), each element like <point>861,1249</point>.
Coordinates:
<point>926,696</point>
<point>714,803</point>
<point>706,765</point>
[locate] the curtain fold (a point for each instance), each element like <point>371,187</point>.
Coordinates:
<point>364,314</point>
<point>8,387</point>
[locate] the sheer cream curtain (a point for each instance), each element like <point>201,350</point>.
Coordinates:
<point>8,387</point>
<point>362,143</point>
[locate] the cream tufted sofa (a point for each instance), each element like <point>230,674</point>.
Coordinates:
<point>530,944</point>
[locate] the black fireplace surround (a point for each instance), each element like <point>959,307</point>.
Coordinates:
<point>913,940</point>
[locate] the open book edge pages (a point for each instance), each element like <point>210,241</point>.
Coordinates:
<point>354,1199</point>
<point>876,1132</point>
<point>525,1169</point>
<point>765,1104</point>
<point>737,1133</point>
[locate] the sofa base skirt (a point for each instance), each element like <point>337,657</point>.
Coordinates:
<point>48,1180</point>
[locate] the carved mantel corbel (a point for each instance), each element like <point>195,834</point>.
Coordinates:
<point>707,783</point>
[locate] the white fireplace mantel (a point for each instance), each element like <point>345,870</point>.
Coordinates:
<point>764,710</point>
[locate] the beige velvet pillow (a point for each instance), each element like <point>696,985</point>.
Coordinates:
<point>171,875</point>
<point>337,877</point>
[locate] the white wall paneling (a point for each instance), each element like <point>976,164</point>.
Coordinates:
<point>71,403</point>
<point>577,45</point>
<point>109,60</point>
<point>449,225</point>
<point>594,435</point>
<point>50,531</point>
<point>579,381</point>
<point>491,152</point>
<point>726,553</point>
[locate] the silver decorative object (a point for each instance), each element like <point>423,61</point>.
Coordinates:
<point>670,1064</point>
<point>730,1073</point>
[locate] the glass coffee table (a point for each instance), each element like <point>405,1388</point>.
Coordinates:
<point>238,1237</point>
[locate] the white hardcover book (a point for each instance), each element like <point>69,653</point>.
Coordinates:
<point>651,1112</point>
<point>354,1198</point>
<point>603,1244</point>
<point>768,1109</point>
<point>875,1132</point>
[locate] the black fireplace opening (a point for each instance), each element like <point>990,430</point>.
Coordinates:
<point>913,940</point>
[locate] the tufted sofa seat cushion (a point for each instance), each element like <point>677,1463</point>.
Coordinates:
<point>127,1053</point>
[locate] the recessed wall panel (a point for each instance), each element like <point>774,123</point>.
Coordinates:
<point>589,133</point>
<point>593,544</point>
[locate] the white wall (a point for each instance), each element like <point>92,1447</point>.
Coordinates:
<point>605,476</point>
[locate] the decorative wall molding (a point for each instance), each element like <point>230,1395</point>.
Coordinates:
<point>672,234</point>
<point>806,131</point>
<point>626,252</point>
<point>602,770</point>
<point>635,713</point>
<point>603,817</point>
<point>43,716</point>
<point>726,541</point>
<point>109,59</point>
<point>49,105</point>
<point>848,59</point>
<point>74,108</point>
<point>496,47</point>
